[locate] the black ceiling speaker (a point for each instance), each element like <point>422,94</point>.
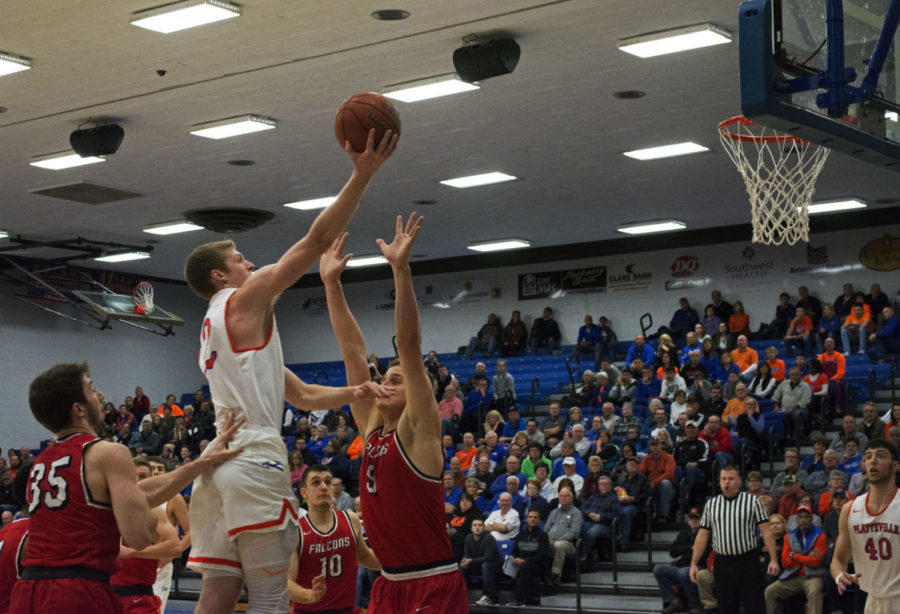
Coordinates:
<point>99,141</point>
<point>478,62</point>
<point>228,220</point>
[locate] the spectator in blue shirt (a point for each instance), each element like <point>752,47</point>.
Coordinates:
<point>683,320</point>
<point>887,340</point>
<point>589,341</point>
<point>639,349</point>
<point>451,493</point>
<point>829,327</point>
<point>647,388</point>
<point>784,313</point>
<point>514,424</point>
<point>851,458</point>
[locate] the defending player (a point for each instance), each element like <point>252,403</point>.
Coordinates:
<point>870,532</point>
<point>83,494</point>
<point>12,539</point>
<point>400,477</point>
<point>242,517</point>
<point>330,546</point>
<point>133,581</point>
<point>177,514</point>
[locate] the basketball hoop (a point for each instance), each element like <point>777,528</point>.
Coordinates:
<point>142,296</point>
<point>780,178</point>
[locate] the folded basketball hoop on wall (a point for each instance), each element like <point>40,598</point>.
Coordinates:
<point>779,172</point>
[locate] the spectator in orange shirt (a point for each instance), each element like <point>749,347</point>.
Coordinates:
<point>834,365</point>
<point>735,406</point>
<point>745,357</point>
<point>856,327</point>
<point>170,402</point>
<point>800,332</point>
<point>739,322</point>
<point>467,452</point>
<point>659,467</point>
<point>776,364</point>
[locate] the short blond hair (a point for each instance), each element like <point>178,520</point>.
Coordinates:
<point>203,260</point>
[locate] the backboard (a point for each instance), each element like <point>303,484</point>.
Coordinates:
<point>785,48</point>
<point>121,307</point>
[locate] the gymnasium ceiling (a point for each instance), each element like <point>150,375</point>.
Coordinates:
<point>554,122</point>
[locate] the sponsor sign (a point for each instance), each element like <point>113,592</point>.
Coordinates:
<point>749,271</point>
<point>629,278</point>
<point>881,254</point>
<point>685,266</point>
<point>553,283</point>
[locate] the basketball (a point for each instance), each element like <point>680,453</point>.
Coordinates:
<point>362,112</point>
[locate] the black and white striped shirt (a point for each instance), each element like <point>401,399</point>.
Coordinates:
<point>733,523</point>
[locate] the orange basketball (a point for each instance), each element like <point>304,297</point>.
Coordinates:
<point>362,112</point>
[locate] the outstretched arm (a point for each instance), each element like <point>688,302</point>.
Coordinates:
<point>346,330</point>
<point>420,425</point>
<point>312,396</point>
<point>257,293</point>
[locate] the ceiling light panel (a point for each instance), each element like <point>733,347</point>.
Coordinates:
<point>171,228</point>
<point>183,15</point>
<point>644,228</point>
<point>666,151</point>
<point>312,204</point>
<point>498,245</point>
<point>835,205</point>
<point>10,63</point>
<point>424,89</point>
<point>233,126</point>
<point>675,40</point>
<point>366,261</point>
<point>472,181</point>
<point>62,160</point>
<point>123,257</point>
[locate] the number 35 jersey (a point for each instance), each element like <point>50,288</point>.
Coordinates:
<point>68,527</point>
<point>875,542</point>
<point>332,554</point>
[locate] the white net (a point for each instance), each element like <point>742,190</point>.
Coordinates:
<point>143,298</point>
<point>780,173</point>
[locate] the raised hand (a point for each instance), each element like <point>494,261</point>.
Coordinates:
<point>369,390</point>
<point>397,252</point>
<point>318,588</point>
<point>369,161</point>
<point>332,263</point>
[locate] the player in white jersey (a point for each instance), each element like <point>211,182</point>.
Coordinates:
<point>176,511</point>
<point>870,533</point>
<point>242,515</point>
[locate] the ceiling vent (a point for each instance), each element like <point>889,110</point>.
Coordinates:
<point>87,193</point>
<point>228,220</point>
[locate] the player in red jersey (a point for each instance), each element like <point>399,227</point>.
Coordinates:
<point>402,497</point>
<point>330,547</point>
<point>133,582</point>
<point>12,539</point>
<point>83,494</point>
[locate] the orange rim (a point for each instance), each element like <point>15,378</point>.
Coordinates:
<point>749,138</point>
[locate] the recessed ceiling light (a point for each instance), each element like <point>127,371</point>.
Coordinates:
<point>4,234</point>
<point>12,63</point>
<point>312,204</point>
<point>675,40</point>
<point>498,245</point>
<point>666,151</point>
<point>372,260</point>
<point>644,228</point>
<point>390,14</point>
<point>476,180</point>
<point>233,126</point>
<point>835,205</point>
<point>63,159</point>
<point>183,15</point>
<point>123,257</point>
<point>171,228</point>
<point>431,87</point>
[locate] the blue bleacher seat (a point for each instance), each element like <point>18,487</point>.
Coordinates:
<point>775,420</point>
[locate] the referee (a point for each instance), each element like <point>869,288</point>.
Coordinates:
<point>732,518</point>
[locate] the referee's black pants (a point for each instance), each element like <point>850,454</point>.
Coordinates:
<point>740,581</point>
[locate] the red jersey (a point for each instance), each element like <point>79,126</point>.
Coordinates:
<point>11,538</point>
<point>135,571</point>
<point>68,527</point>
<point>404,510</point>
<point>332,554</point>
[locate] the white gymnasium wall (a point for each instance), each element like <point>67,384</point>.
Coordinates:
<point>454,305</point>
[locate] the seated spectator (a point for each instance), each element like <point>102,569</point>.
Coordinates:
<point>856,329</point>
<point>588,341</point>
<point>817,482</point>
<point>583,446</point>
<point>450,409</point>
<point>745,358</point>
<point>487,339</point>
<point>145,441</point>
<point>480,374</point>
<point>636,486</point>
<point>125,416</point>
<point>887,340</point>
<point>624,389</point>
<point>800,333</point>
<point>722,308</point>
<point>716,404</point>
<point>710,321</point>
<point>647,387</point>
<point>666,346</point>
<point>563,526</point>
<point>677,573</point>
<point>709,358</point>
<point>461,519</point>
<point>739,322</point>
<point>851,458</point>
<point>599,511</point>
<point>530,556</point>
<point>667,441</point>
<point>789,501</point>
<point>670,383</point>
<point>448,447</point>
<point>595,470</point>
<point>726,368</point>
<point>491,446</point>
<point>553,425</point>
<point>871,425</point>
<point>532,500</point>
<point>477,403</point>
<point>451,493</point>
<point>504,522</point>
<point>170,404</point>
<point>818,384</point>
<point>503,386</point>
<point>683,320</point>
<point>837,483</point>
<point>621,426</point>
<point>606,450</point>
<point>335,459</point>
<point>792,398</point>
<point>828,327</point>
<point>833,367</point>
<point>342,500</point>
<point>693,412</point>
<point>722,341</point>
<point>575,417</point>
<point>791,468</point>
<point>848,431</point>
<point>510,470</point>
<point>755,485</point>
<point>892,420</point>
<point>665,361</point>
<point>512,487</point>
<point>803,563</point>
<point>515,336</point>
<point>607,343</point>
<point>809,501</point>
<point>692,344</point>
<point>514,424</point>
<point>784,313</point>
<point>494,423</point>
<point>876,299</point>
<point>813,462</point>
<point>466,453</point>
<point>659,467</point>
<point>532,432</point>
<point>639,349</point>
<point>542,477</point>
<point>764,383</point>
<point>844,303</point>
<point>568,473</point>
<point>585,393</point>
<point>320,440</point>
<point>719,439</point>
<point>657,421</point>
<point>545,333</point>
<point>810,304</point>
<point>483,471</point>
<point>692,460</point>
<point>693,367</point>
<point>831,520</point>
<point>678,406</point>
<point>481,555</point>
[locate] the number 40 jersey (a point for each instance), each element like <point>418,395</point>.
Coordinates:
<point>874,536</point>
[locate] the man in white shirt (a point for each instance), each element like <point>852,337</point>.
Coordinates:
<point>569,472</point>
<point>503,523</point>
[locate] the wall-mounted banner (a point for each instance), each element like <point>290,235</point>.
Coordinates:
<point>552,283</point>
<point>630,277</point>
<point>881,254</point>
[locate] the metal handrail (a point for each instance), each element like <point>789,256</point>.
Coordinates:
<point>651,502</point>
<point>742,456</point>
<point>771,437</point>
<point>535,387</point>
<point>615,559</point>
<point>682,499</point>
<point>579,547</point>
<point>571,370</point>
<point>648,326</point>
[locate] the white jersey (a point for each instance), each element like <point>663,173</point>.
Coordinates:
<point>246,381</point>
<point>875,542</point>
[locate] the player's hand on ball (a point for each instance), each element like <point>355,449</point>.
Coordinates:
<point>217,452</point>
<point>398,251</point>
<point>369,390</point>
<point>369,161</point>
<point>333,262</point>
